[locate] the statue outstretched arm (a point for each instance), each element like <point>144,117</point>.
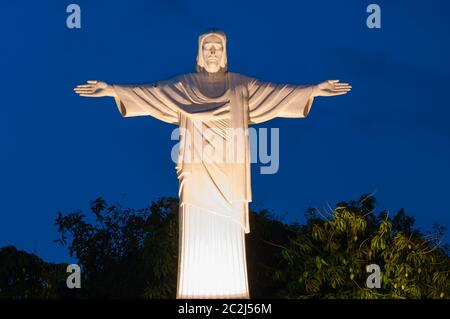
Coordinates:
<point>136,100</point>
<point>269,100</point>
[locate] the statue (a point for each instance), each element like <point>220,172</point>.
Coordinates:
<point>213,108</point>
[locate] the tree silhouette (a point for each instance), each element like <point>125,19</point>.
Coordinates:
<point>26,276</point>
<point>328,257</point>
<point>124,253</point>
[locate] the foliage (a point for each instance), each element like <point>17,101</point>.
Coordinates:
<point>124,253</point>
<point>128,253</point>
<point>328,256</point>
<point>24,275</point>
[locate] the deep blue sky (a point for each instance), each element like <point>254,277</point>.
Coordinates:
<point>59,151</point>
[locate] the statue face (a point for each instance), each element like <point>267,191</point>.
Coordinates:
<point>212,51</point>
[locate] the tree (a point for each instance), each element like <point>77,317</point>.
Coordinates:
<point>24,275</point>
<point>124,253</point>
<point>328,256</point>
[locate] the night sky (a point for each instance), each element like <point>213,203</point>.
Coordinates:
<point>389,136</point>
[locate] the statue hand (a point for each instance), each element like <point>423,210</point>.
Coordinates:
<point>94,89</point>
<point>331,88</point>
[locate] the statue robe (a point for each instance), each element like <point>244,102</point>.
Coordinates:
<point>214,191</point>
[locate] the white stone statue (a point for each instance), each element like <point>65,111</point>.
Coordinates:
<point>214,192</point>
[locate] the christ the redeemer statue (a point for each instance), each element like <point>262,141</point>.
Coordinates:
<point>213,109</point>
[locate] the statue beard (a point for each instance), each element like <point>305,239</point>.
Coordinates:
<point>212,67</point>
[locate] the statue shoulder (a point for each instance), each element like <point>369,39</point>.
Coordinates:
<point>186,78</point>
<point>242,78</point>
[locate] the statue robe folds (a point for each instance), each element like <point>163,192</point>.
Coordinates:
<point>213,168</point>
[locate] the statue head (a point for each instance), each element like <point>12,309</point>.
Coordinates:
<point>212,52</point>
